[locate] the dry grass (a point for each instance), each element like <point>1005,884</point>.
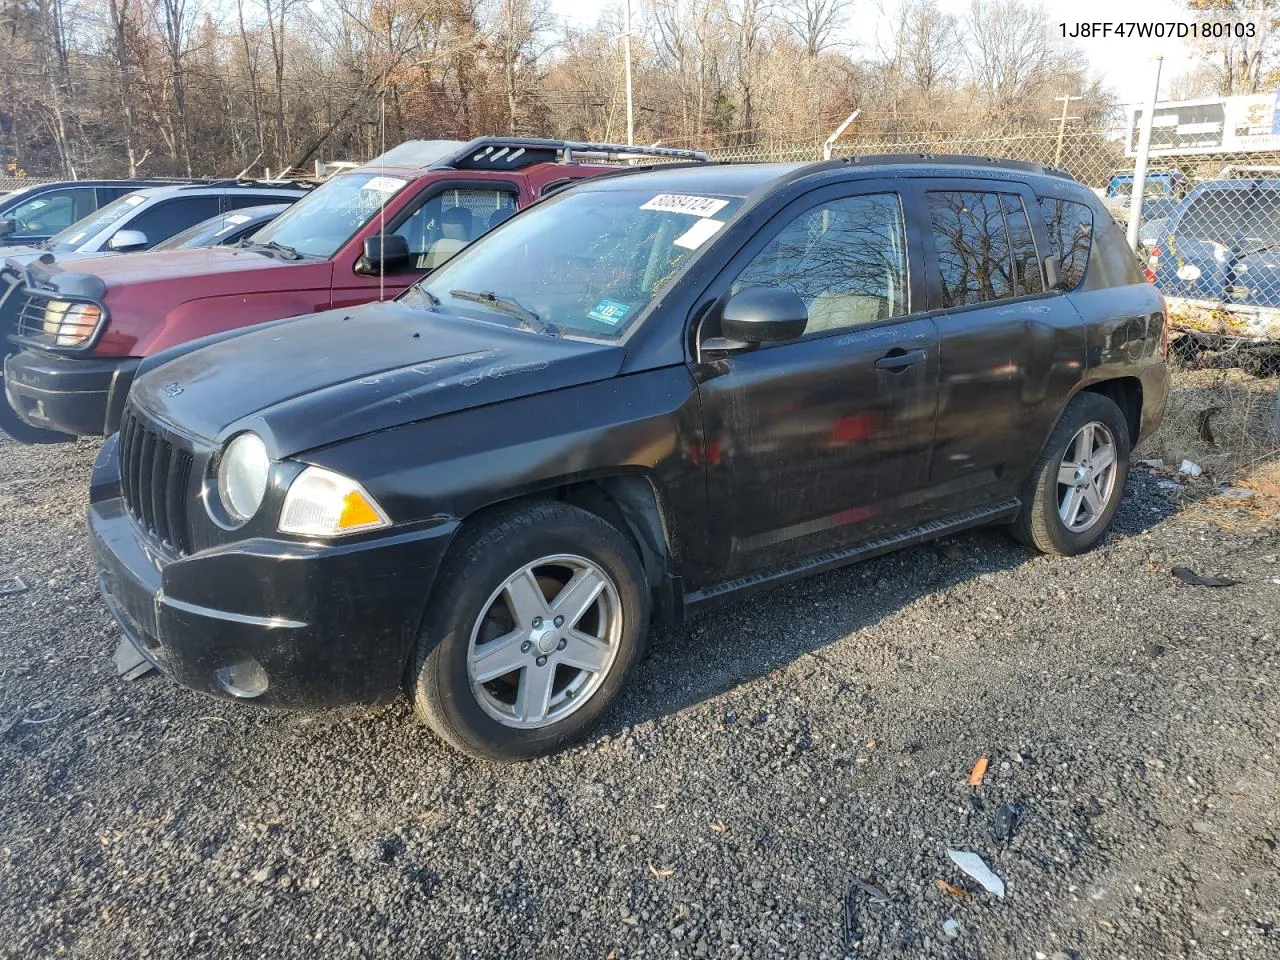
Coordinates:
<point>1221,419</point>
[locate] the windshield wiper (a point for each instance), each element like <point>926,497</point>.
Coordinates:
<point>287,252</point>
<point>509,305</point>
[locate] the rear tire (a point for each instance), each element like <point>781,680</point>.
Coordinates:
<point>496,673</point>
<point>1074,490</point>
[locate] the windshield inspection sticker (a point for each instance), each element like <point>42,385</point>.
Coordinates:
<point>384,184</point>
<point>609,311</point>
<point>683,203</point>
<point>698,234</point>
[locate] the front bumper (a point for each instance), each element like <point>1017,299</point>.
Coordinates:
<point>78,395</point>
<point>327,624</point>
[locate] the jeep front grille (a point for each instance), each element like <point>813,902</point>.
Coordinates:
<point>155,477</point>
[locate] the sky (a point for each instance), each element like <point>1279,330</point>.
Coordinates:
<point>1124,63</point>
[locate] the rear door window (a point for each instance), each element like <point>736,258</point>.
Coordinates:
<point>1070,227</point>
<point>972,245</point>
<point>167,217</point>
<point>1026,264</point>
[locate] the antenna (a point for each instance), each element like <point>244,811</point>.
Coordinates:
<point>382,202</point>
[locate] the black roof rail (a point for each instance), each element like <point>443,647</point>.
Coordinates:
<point>514,153</point>
<point>942,159</point>
<point>559,186</point>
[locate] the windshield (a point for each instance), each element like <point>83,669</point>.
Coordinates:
<point>323,220</point>
<point>587,263</point>
<point>71,238</point>
<point>1247,219</point>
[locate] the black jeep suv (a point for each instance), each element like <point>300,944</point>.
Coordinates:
<point>644,395</point>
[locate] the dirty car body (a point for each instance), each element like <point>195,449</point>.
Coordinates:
<point>900,413</point>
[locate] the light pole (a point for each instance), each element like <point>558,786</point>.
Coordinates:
<point>1144,149</point>
<point>626,47</point>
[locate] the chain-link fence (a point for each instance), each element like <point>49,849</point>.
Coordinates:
<point>1210,229</point>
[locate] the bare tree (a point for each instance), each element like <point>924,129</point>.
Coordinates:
<point>1239,64</point>
<point>748,19</point>
<point>931,45</point>
<point>814,22</point>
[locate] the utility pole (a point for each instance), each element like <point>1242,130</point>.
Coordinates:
<point>626,46</point>
<point>1062,127</point>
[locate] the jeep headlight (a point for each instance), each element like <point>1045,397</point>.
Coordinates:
<point>71,324</point>
<point>323,503</point>
<point>242,476</point>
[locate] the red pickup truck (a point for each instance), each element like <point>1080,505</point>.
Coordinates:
<point>75,336</point>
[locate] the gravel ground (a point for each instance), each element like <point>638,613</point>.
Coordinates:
<point>767,758</point>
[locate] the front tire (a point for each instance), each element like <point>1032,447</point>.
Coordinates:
<point>1074,490</point>
<point>535,628</point>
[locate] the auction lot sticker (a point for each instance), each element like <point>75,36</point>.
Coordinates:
<point>609,311</point>
<point>684,203</point>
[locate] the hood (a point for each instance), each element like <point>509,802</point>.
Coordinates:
<point>328,377</point>
<point>159,265</point>
<point>21,257</point>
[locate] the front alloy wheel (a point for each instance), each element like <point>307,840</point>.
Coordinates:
<point>545,641</point>
<point>539,617</point>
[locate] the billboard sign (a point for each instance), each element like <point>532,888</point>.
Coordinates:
<point>1212,125</point>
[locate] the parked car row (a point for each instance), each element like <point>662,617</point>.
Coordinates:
<point>463,422</point>
<point>173,216</point>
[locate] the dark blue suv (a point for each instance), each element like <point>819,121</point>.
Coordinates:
<point>1222,245</point>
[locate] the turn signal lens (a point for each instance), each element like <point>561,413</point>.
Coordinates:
<point>322,503</point>
<point>70,324</point>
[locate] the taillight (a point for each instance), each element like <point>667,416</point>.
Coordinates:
<point>1153,261</point>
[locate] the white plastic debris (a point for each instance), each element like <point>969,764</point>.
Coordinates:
<point>1155,462</point>
<point>1190,469</point>
<point>976,867</point>
<point>951,928</point>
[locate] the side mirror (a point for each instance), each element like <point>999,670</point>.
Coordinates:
<point>1052,273</point>
<point>763,315</point>
<point>384,253</point>
<point>123,241</point>
<point>8,226</point>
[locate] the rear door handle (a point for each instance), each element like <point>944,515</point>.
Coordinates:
<point>897,359</point>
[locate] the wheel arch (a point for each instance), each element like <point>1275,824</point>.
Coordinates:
<point>1125,393</point>
<point>631,502</point>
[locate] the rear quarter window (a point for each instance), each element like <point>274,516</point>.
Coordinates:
<point>1070,227</point>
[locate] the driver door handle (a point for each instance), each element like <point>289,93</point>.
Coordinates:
<point>897,359</point>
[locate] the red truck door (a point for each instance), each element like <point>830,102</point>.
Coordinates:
<point>446,216</point>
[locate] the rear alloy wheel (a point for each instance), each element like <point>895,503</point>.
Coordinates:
<point>1087,477</point>
<point>539,618</point>
<point>1074,490</point>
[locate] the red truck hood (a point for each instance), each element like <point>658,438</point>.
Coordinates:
<point>161,298</point>
<point>159,265</point>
